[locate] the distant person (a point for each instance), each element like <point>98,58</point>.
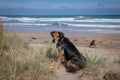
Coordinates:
<point>92,44</point>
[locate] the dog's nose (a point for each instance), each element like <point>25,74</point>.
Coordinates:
<point>53,41</point>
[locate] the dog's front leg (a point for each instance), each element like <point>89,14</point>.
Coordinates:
<point>61,53</point>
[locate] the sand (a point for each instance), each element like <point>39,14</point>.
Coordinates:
<point>104,41</point>
<point>107,44</point>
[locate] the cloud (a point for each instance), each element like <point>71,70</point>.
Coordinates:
<point>57,7</point>
<point>53,4</point>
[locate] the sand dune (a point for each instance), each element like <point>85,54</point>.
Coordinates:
<point>108,48</point>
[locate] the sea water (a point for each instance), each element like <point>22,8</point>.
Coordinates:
<point>65,23</point>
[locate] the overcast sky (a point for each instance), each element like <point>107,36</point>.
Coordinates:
<point>59,7</point>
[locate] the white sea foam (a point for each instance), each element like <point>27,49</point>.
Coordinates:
<point>82,23</point>
<point>23,24</point>
<point>29,19</point>
<point>103,31</point>
<point>22,19</point>
<point>93,25</point>
<point>63,24</point>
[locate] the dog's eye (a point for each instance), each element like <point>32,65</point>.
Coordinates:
<point>52,35</point>
<point>57,36</point>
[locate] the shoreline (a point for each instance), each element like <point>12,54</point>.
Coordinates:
<point>64,32</point>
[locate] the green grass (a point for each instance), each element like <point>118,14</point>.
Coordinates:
<point>52,53</point>
<point>112,75</point>
<point>1,30</point>
<point>94,61</point>
<point>118,61</point>
<point>20,61</point>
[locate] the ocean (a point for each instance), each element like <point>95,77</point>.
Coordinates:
<point>65,23</point>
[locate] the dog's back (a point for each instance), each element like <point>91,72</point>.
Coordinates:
<point>69,49</point>
<point>72,54</point>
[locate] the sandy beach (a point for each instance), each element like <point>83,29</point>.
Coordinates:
<point>103,41</point>
<point>108,45</point>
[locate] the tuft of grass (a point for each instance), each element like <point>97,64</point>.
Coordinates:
<point>118,61</point>
<point>52,52</point>
<point>1,30</point>
<point>94,61</point>
<point>20,61</point>
<point>110,75</point>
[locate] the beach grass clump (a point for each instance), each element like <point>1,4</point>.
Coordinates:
<point>118,60</point>
<point>112,75</point>
<point>52,52</point>
<point>19,61</point>
<point>94,61</point>
<point>1,30</point>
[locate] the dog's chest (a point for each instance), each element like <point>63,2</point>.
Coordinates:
<point>60,46</point>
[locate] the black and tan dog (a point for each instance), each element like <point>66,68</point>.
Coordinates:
<point>74,61</point>
<point>92,44</point>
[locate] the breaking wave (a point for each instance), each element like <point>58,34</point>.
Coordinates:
<point>72,23</point>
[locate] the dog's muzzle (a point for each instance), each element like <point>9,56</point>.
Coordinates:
<point>53,41</point>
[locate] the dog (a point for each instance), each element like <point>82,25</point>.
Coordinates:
<point>92,44</point>
<point>73,59</point>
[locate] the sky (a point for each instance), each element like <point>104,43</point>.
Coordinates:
<point>59,7</point>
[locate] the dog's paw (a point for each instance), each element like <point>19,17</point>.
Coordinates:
<point>57,65</point>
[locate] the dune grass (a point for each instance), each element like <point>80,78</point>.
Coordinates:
<point>1,30</point>
<point>112,75</point>
<point>20,61</point>
<point>94,61</point>
<point>52,53</point>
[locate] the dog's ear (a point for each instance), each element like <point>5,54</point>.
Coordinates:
<point>61,34</point>
<point>51,33</point>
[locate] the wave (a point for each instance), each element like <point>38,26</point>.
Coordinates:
<point>103,31</point>
<point>64,24</point>
<point>23,24</point>
<point>59,24</point>
<point>22,19</point>
<point>70,19</point>
<point>82,17</point>
<point>28,19</point>
<point>93,25</point>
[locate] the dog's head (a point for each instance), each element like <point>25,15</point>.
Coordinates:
<point>56,35</point>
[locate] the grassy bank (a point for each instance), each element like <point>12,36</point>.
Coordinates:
<point>98,66</point>
<point>19,61</point>
<point>1,30</point>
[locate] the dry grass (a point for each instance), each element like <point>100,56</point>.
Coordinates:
<point>52,52</point>
<point>100,65</point>
<point>112,75</point>
<point>94,61</point>
<point>1,30</point>
<point>19,61</point>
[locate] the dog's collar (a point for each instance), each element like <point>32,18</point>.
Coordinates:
<point>61,39</point>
